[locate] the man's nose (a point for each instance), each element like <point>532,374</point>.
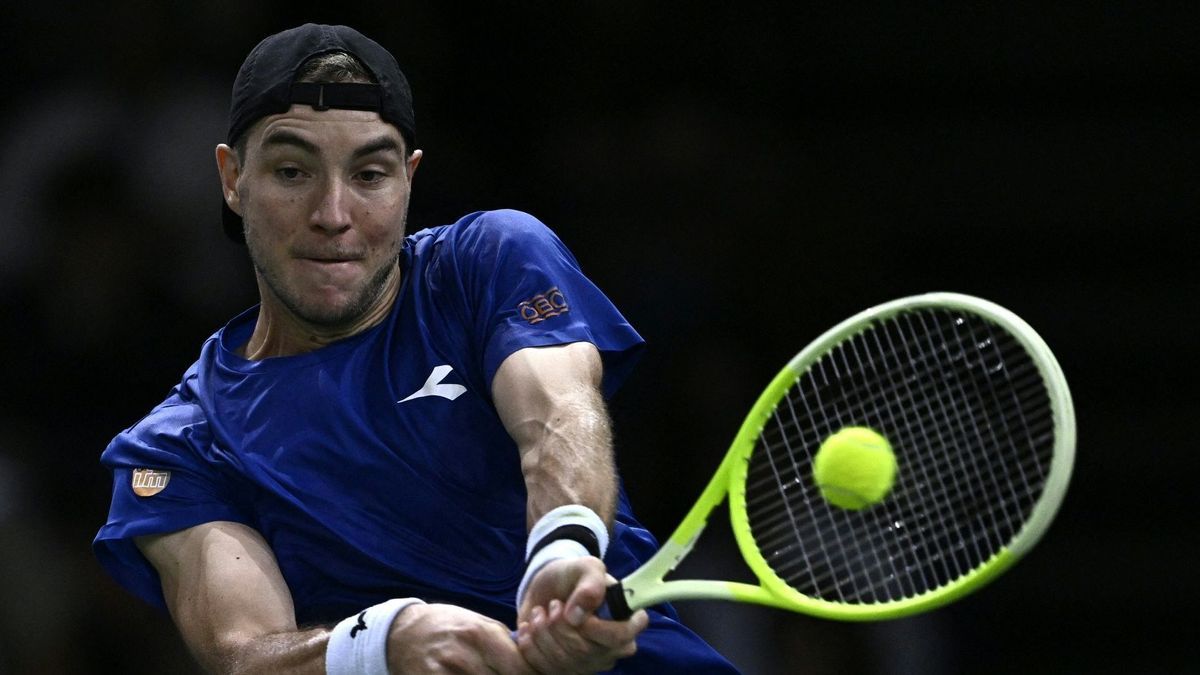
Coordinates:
<point>332,212</point>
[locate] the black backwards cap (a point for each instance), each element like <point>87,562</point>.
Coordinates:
<point>266,85</point>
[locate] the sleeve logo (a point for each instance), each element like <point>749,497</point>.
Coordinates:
<point>149,482</point>
<point>544,306</point>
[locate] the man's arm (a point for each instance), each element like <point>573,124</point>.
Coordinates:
<point>550,403</point>
<point>230,602</point>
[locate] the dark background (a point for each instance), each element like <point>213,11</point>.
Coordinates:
<point>738,179</point>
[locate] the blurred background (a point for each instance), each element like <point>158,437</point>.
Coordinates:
<point>737,177</point>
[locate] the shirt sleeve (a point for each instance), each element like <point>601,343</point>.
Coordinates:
<point>164,480</point>
<point>525,289</point>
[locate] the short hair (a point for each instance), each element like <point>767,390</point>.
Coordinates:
<point>329,68</point>
<point>335,67</point>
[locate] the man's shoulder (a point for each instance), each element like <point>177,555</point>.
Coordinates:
<point>177,423</point>
<point>502,220</point>
<point>183,401</point>
<point>485,230</point>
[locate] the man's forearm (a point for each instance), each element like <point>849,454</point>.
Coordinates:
<point>567,456</point>
<point>550,403</point>
<point>230,602</point>
<point>301,652</point>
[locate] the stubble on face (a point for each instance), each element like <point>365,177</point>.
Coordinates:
<point>323,197</point>
<point>318,314</point>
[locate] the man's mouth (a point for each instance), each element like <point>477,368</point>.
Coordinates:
<point>340,258</point>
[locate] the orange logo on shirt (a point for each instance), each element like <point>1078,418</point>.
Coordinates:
<point>544,306</point>
<point>149,482</point>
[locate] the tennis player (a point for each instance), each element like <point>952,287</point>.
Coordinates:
<point>400,460</point>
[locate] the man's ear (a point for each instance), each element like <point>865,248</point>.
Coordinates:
<point>413,160</point>
<point>230,170</point>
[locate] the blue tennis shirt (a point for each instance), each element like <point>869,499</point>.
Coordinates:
<point>377,467</point>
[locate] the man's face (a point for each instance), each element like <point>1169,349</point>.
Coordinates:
<point>324,197</point>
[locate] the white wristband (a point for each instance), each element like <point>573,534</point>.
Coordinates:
<point>558,549</point>
<point>555,550</point>
<point>358,645</point>
<point>571,514</point>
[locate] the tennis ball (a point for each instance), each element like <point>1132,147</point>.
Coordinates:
<point>854,468</point>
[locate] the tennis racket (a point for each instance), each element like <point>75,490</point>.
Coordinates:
<point>979,415</point>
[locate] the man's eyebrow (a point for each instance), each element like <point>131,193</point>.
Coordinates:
<point>288,138</point>
<point>283,137</point>
<point>381,144</point>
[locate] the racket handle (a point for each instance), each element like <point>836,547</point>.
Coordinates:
<point>615,606</point>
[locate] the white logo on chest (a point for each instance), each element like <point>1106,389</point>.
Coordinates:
<point>433,386</point>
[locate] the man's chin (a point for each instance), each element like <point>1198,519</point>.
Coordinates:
<point>330,315</point>
<point>334,307</point>
<point>338,311</point>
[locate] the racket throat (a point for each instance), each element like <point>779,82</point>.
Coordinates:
<point>678,553</point>
<point>638,589</point>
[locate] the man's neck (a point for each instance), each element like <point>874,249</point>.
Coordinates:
<point>279,332</point>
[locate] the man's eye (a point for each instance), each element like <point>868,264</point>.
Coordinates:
<point>371,176</point>
<point>288,173</point>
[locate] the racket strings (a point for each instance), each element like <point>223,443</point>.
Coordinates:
<point>968,414</point>
<point>949,431</point>
<point>956,429</point>
<point>953,428</point>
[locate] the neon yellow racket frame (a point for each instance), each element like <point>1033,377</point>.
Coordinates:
<point>646,587</point>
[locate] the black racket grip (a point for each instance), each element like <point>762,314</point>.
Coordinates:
<point>614,603</point>
<point>614,606</point>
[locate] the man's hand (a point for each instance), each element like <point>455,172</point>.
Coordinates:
<point>557,627</point>
<point>450,639</point>
<point>550,401</point>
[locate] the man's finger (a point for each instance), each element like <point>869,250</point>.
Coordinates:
<point>614,634</point>
<point>501,654</point>
<point>540,646</point>
<point>587,597</point>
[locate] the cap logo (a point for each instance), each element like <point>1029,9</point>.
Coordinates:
<point>543,306</point>
<point>149,482</point>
